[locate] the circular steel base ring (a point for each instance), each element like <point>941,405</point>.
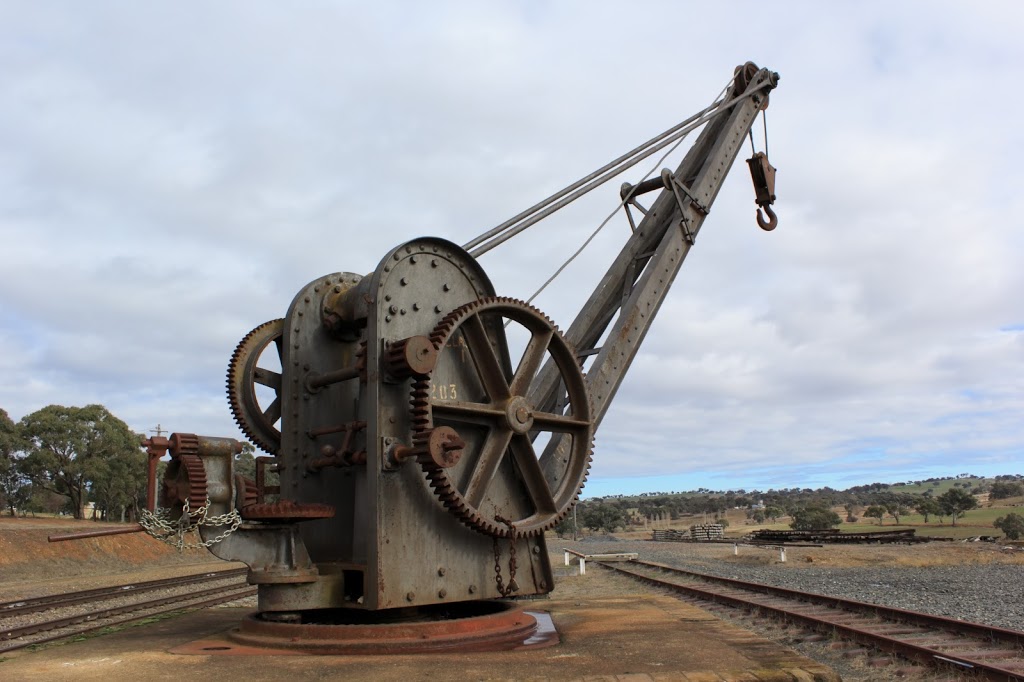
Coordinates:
<point>462,626</point>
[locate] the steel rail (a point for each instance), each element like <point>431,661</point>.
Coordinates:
<point>900,641</point>
<point>56,601</point>
<point>178,606</point>
<point>34,628</point>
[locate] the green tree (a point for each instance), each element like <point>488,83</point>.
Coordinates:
<point>604,517</point>
<point>956,502</point>
<point>1012,525</point>
<point>245,461</point>
<point>927,506</point>
<point>896,509</point>
<point>875,511</point>
<point>1001,490</point>
<point>772,512</point>
<point>70,448</point>
<point>14,490</point>
<point>815,518</point>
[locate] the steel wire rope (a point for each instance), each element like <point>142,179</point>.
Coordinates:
<point>531,216</point>
<point>622,203</point>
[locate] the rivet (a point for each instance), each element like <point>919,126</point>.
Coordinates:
<point>415,306</point>
<point>404,281</point>
<point>446,287</point>
<point>543,584</point>
<point>393,309</point>
<point>412,259</point>
<point>441,571</point>
<point>433,262</point>
<point>396,258</point>
<point>306,299</point>
<point>337,288</point>
<point>387,297</point>
<point>442,593</point>
<point>472,589</point>
<point>387,318</point>
<point>437,308</point>
<point>536,549</point>
<point>300,313</point>
<point>402,311</point>
<point>306,367</point>
<point>411,595</point>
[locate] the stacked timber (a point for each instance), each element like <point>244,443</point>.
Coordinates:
<point>670,535</point>
<point>707,531</point>
<point>905,536</point>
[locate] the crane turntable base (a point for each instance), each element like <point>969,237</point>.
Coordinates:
<point>465,626</point>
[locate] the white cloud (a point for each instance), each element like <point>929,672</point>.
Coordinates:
<point>170,175</point>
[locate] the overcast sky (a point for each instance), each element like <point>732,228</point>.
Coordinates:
<point>172,173</point>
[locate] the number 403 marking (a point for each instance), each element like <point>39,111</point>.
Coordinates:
<point>443,392</point>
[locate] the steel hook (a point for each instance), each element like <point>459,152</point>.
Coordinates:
<point>773,220</point>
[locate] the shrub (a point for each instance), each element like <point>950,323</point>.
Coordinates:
<point>1012,525</point>
<point>815,518</point>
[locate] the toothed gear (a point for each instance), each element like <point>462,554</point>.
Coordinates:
<point>286,510</point>
<point>185,480</point>
<point>510,418</point>
<point>243,375</point>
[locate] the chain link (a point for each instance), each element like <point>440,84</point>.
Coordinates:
<point>161,526</point>
<point>512,586</point>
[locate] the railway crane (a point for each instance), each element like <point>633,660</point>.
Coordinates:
<point>418,461</point>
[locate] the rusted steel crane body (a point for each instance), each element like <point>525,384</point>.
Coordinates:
<point>419,461</point>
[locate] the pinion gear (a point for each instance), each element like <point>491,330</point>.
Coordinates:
<point>471,490</point>
<point>244,373</point>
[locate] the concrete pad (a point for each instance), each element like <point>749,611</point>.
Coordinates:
<point>625,639</point>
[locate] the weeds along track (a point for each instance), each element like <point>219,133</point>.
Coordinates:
<point>985,651</point>
<point>45,619</point>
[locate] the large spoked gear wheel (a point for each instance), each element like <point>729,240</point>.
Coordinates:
<point>501,470</point>
<point>244,373</point>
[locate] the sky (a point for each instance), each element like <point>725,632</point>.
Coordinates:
<point>172,173</point>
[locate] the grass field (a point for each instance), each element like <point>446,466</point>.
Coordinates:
<point>973,523</point>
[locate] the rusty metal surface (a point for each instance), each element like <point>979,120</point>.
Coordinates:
<point>477,489</point>
<point>469,626</point>
<point>244,373</point>
<point>287,510</point>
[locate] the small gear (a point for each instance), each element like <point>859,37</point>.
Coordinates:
<point>185,481</point>
<point>255,421</point>
<point>286,510</point>
<point>512,421</point>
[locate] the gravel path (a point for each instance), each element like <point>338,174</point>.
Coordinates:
<point>990,590</point>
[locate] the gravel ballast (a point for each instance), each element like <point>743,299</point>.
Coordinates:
<point>989,590</point>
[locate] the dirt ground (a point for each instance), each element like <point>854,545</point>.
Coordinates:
<point>30,565</point>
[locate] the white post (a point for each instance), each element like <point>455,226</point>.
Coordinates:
<point>583,566</point>
<point>782,554</point>
<point>735,549</point>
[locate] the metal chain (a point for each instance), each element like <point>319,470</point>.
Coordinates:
<point>161,526</point>
<point>512,585</point>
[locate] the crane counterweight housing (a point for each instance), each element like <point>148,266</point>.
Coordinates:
<point>419,460</point>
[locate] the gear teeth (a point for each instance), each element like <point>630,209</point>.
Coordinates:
<point>264,436</point>
<point>422,422</point>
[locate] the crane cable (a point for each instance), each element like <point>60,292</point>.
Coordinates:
<point>531,216</point>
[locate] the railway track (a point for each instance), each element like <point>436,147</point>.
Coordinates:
<point>40,631</point>
<point>986,651</point>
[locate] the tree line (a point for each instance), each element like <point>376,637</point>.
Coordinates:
<point>59,458</point>
<point>808,509</point>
